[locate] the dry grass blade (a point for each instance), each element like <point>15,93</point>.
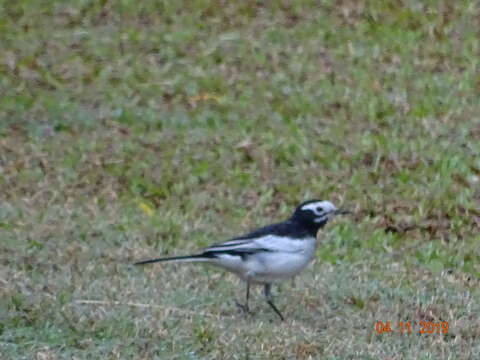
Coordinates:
<point>166,309</point>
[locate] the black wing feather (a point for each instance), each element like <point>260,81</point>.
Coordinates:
<point>287,228</point>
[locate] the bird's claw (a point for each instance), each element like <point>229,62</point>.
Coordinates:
<point>243,307</point>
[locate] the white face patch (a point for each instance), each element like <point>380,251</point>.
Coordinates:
<point>320,208</point>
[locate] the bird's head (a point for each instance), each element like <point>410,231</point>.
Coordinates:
<point>316,213</point>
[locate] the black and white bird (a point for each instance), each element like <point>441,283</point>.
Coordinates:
<point>269,254</point>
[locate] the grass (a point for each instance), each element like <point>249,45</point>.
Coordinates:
<point>133,129</point>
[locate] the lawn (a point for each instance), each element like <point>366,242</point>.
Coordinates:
<point>135,129</point>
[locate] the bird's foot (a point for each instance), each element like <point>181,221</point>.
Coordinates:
<point>243,308</point>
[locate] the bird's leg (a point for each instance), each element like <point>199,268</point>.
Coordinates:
<point>248,295</point>
<point>268,296</point>
<point>242,307</point>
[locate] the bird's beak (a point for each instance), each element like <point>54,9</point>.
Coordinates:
<point>341,212</point>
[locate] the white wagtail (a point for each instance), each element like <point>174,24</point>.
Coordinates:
<point>269,254</point>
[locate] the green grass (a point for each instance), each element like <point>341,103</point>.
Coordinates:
<point>131,129</point>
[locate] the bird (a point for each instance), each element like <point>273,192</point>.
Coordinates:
<point>270,253</point>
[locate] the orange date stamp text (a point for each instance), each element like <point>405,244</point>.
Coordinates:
<point>412,327</point>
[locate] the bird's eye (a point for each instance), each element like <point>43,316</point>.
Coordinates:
<point>319,209</point>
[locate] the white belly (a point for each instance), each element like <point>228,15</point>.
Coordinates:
<point>277,265</point>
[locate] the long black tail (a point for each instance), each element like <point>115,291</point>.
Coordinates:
<point>187,258</point>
